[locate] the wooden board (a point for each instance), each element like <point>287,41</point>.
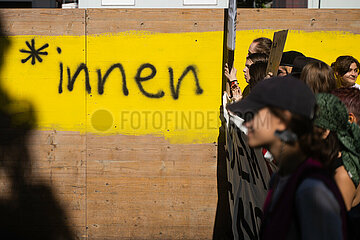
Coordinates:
<point>139,187</point>
<point>154,20</point>
<point>299,19</point>
<point>51,22</point>
<point>276,51</point>
<point>62,155</point>
<point>143,187</point>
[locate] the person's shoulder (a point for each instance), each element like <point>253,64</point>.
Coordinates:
<point>316,207</point>
<point>356,86</point>
<point>315,193</point>
<point>311,184</point>
<point>342,175</point>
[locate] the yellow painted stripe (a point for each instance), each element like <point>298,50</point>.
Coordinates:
<point>187,113</point>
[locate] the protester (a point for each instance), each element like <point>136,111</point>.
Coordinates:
<point>252,193</point>
<point>319,77</point>
<point>340,136</point>
<point>304,201</point>
<point>234,87</point>
<point>260,45</point>
<point>299,64</point>
<point>257,73</point>
<point>342,139</point>
<point>259,50</point>
<point>251,59</point>
<point>292,62</point>
<point>231,76</point>
<point>351,98</point>
<point>287,62</point>
<point>258,57</point>
<point>346,70</point>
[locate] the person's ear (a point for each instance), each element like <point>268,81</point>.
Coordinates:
<point>325,134</point>
<point>289,69</point>
<point>283,125</point>
<point>352,118</point>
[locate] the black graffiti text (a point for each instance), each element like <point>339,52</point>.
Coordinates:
<point>139,79</point>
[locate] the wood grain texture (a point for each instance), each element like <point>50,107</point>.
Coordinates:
<point>51,22</point>
<point>347,20</point>
<point>154,20</point>
<point>142,187</point>
<point>72,21</point>
<point>59,160</point>
<point>125,187</point>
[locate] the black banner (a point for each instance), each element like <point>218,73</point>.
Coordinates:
<point>248,177</point>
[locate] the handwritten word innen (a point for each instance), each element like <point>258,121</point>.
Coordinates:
<point>139,79</point>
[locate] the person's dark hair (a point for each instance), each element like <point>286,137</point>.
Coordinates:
<point>351,99</point>
<point>325,149</point>
<point>319,77</point>
<point>257,72</point>
<point>342,65</point>
<point>310,138</point>
<point>263,45</point>
<point>258,57</point>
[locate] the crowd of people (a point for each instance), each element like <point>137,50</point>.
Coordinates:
<point>307,118</point>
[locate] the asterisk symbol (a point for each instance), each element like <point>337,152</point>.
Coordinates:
<point>33,53</point>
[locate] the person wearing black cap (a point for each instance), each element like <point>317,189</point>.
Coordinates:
<point>299,63</point>
<point>287,62</point>
<point>303,201</point>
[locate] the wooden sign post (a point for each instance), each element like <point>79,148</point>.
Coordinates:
<point>230,28</point>
<point>276,51</point>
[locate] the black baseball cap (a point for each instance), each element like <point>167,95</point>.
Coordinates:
<point>288,93</point>
<point>288,58</point>
<point>300,62</point>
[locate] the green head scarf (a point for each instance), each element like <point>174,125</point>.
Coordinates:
<point>332,115</point>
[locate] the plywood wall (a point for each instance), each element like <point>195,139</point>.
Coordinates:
<point>113,172</point>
